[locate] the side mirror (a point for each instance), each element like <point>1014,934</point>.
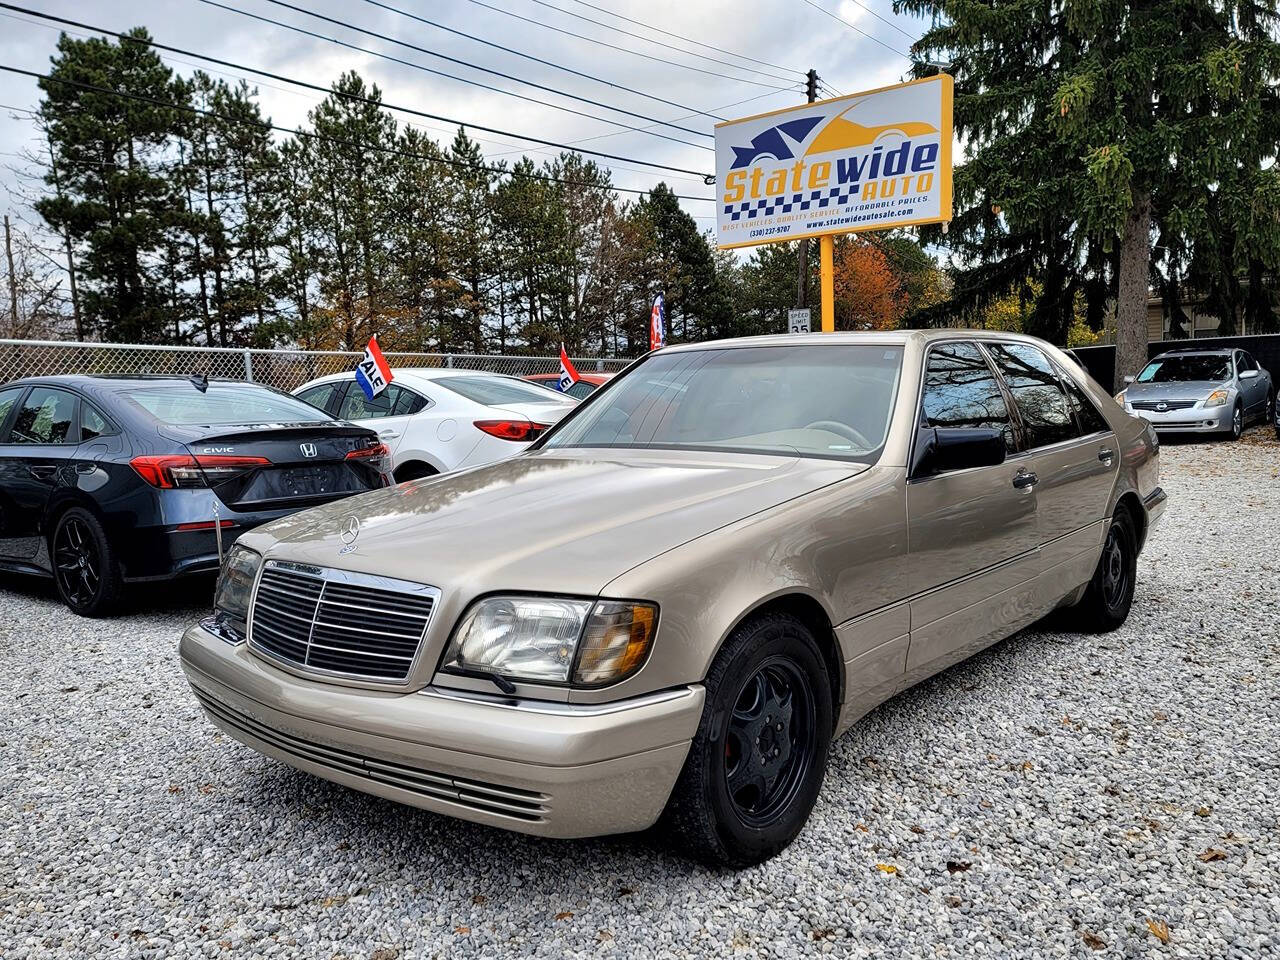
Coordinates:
<point>1130,379</point>
<point>957,448</point>
<point>1248,374</point>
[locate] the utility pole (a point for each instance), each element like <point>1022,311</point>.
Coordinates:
<point>13,279</point>
<point>802,265</point>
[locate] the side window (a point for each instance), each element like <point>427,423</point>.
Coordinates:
<point>1245,362</point>
<point>320,396</point>
<point>1042,406</point>
<point>961,391</point>
<point>356,407</point>
<point>1087,414</point>
<point>92,423</point>
<point>7,399</point>
<point>45,417</point>
<point>408,403</point>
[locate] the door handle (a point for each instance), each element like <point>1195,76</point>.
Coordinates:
<point>1025,479</point>
<point>43,472</point>
<point>389,434</point>
<point>1106,455</point>
<point>85,468</point>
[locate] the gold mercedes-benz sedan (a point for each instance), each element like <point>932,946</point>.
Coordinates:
<point>674,600</point>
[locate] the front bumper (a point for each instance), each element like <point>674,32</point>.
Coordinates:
<point>550,769</point>
<point>1190,420</point>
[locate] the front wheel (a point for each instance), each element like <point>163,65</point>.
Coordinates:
<point>1237,422</point>
<point>1109,596</point>
<point>756,764</point>
<point>85,567</point>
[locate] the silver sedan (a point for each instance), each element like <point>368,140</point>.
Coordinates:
<point>1200,391</point>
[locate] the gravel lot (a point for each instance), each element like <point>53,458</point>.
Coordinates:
<point>1057,795</point>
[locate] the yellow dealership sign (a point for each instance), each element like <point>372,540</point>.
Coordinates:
<point>868,161</point>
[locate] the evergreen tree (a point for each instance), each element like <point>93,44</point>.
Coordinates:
<point>1088,123</point>
<point>115,191</point>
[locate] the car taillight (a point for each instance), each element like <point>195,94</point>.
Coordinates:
<point>520,430</point>
<point>375,452</point>
<point>169,472</point>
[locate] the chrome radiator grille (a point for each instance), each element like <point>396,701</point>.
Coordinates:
<point>1167,404</point>
<point>340,623</point>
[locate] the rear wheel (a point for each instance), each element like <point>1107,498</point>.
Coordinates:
<point>85,568</point>
<point>757,761</point>
<point>414,470</point>
<point>1109,596</point>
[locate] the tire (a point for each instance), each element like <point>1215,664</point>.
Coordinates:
<point>756,764</point>
<point>86,570</point>
<point>414,470</point>
<point>1237,422</point>
<point>1109,596</point>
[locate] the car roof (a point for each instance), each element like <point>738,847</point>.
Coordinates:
<point>1201,351</point>
<point>415,373</point>
<point>119,379</point>
<point>878,337</point>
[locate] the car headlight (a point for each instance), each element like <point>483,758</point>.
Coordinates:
<point>1120,397</point>
<point>1217,398</point>
<point>552,640</point>
<point>235,587</point>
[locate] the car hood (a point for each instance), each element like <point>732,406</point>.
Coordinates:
<point>1174,390</point>
<point>555,521</point>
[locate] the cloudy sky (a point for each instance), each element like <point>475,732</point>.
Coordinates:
<point>770,43</point>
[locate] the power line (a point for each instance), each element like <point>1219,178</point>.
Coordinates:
<point>124,37</point>
<point>629,33</point>
<point>676,36</point>
<point>547,63</point>
<point>441,73</point>
<point>857,29</point>
<point>634,53</point>
<point>885,20</point>
<point>324,138</point>
<point>431,53</point>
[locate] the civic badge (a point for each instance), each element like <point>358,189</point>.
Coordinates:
<point>308,449</point>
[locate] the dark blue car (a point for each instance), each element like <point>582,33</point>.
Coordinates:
<point>106,481</point>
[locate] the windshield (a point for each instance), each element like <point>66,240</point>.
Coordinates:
<point>181,403</point>
<point>807,400</point>
<point>495,391</point>
<point>1193,366</point>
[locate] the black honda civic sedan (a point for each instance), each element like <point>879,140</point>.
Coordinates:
<point>110,480</point>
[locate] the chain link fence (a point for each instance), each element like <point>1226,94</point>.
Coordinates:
<point>284,369</point>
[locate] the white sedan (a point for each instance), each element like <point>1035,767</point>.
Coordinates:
<point>439,419</point>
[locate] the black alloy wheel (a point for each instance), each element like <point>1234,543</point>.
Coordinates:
<point>757,760</point>
<point>1109,596</point>
<point>769,746</point>
<point>84,566</point>
<point>1114,568</point>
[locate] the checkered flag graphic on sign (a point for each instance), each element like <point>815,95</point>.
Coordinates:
<point>807,200</point>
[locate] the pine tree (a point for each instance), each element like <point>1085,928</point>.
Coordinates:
<point>115,193</point>
<point>1091,122</point>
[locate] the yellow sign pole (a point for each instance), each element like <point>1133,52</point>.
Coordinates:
<point>827,274</point>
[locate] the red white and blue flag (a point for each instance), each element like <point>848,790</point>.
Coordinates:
<point>568,372</point>
<point>373,372</point>
<point>658,323</point>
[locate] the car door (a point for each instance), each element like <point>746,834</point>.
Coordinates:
<point>10,515</point>
<point>1252,388</point>
<point>972,533</point>
<point>36,456</point>
<point>1073,458</point>
<point>388,413</point>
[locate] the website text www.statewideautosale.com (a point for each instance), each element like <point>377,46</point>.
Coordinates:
<point>783,224</point>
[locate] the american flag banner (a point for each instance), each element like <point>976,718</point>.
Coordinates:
<point>658,323</point>
<point>568,372</point>
<point>373,373</point>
